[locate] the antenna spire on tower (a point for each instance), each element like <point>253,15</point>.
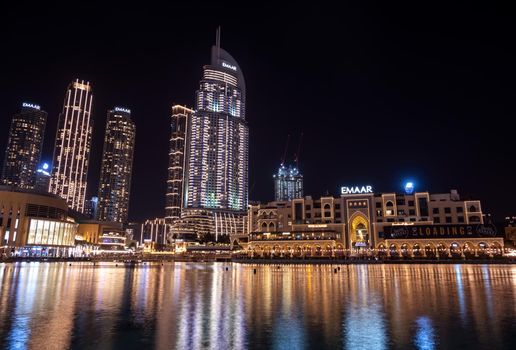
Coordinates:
<point>217,41</point>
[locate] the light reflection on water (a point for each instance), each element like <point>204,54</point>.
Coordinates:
<point>203,306</point>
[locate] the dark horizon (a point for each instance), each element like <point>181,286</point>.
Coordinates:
<point>381,94</point>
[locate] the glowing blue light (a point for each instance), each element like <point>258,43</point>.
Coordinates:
<point>409,187</point>
<point>45,166</point>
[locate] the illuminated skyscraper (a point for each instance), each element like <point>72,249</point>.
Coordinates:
<point>288,183</point>
<point>24,145</point>
<point>73,144</point>
<point>179,124</point>
<point>117,166</point>
<point>216,175</point>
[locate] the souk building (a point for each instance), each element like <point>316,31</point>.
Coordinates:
<point>362,222</point>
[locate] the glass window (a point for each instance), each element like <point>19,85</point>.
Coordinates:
<point>435,210</point>
<point>460,209</point>
<point>411,203</point>
<point>437,220</point>
<point>412,212</point>
<point>447,210</point>
<point>32,231</point>
<point>460,219</point>
<point>448,219</point>
<point>39,231</point>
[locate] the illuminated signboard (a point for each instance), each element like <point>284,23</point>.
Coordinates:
<point>120,109</point>
<point>409,187</point>
<point>30,105</point>
<point>356,190</point>
<point>229,66</point>
<point>438,231</point>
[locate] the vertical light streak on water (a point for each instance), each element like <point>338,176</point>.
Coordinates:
<point>238,314</point>
<point>184,327</point>
<point>364,320</point>
<point>460,291</point>
<point>486,277</point>
<point>288,332</point>
<point>217,331</point>
<point>198,314</point>
<point>19,335</point>
<point>424,338</point>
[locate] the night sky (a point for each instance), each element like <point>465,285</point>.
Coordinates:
<point>381,93</point>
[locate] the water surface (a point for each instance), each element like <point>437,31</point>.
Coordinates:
<point>205,306</point>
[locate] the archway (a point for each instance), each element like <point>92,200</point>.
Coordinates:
<point>339,251</point>
<point>455,250</point>
<point>393,251</point>
<point>416,250</point>
<point>318,251</point>
<point>359,234</point>
<point>405,250</point>
<point>496,249</point>
<point>298,251</point>
<point>468,250</point>
<point>483,248</point>
<point>382,250</point>
<point>430,250</point>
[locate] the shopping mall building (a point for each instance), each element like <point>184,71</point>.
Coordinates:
<point>361,222</point>
<point>35,224</point>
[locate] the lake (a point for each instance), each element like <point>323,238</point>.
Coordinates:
<point>234,306</point>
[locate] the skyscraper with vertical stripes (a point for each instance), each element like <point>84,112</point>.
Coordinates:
<point>176,162</point>
<point>73,145</point>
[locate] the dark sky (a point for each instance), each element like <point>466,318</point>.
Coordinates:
<point>382,93</point>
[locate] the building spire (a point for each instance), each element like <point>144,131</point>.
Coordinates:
<point>217,41</point>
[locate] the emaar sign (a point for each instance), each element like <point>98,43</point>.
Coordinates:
<point>356,190</point>
<point>229,66</point>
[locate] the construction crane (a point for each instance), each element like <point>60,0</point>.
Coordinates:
<point>285,151</point>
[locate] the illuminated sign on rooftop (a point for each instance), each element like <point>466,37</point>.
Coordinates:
<point>356,190</point>
<point>120,109</point>
<point>30,105</point>
<point>229,66</point>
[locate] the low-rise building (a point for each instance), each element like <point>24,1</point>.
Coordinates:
<point>35,224</point>
<point>362,222</point>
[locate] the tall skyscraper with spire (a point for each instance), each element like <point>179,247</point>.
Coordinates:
<point>217,151</point>
<point>24,146</point>
<point>116,167</point>
<point>73,145</point>
<point>215,175</point>
<point>176,164</point>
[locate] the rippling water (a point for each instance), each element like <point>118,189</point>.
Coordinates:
<point>205,306</point>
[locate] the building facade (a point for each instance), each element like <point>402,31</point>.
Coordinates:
<point>42,178</point>
<point>91,207</point>
<point>73,145</point>
<point>34,224</point>
<point>218,137</point>
<point>116,167</point>
<point>288,183</point>
<point>362,222</point>
<point>176,165</point>
<point>23,152</point>
<point>155,231</point>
